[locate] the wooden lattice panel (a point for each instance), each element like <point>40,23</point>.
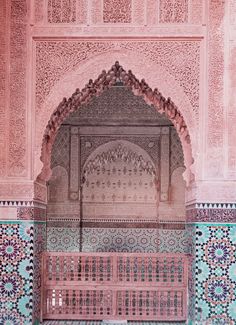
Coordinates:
<point>114,286</point>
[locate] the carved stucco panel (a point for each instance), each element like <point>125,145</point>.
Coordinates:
<point>148,143</point>
<point>17,118</point>
<point>119,172</point>
<point>173,11</point>
<point>117,11</point>
<point>215,154</point>
<point>156,76</point>
<point>56,58</point>
<point>180,58</point>
<point>67,12</point>
<point>61,11</point>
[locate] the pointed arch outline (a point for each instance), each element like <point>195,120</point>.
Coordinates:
<point>94,88</point>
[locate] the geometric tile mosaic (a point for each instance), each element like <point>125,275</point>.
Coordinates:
<point>18,268</point>
<point>215,274</point>
<point>117,240</point>
<point>39,247</point>
<point>16,273</point>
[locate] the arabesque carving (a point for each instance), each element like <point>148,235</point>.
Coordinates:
<point>94,88</point>
<point>17,100</point>
<point>117,11</point>
<point>215,139</point>
<point>151,144</point>
<point>121,153</point>
<point>180,58</point>
<point>61,11</point>
<point>173,11</point>
<point>67,12</point>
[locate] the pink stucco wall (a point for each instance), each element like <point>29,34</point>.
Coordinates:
<point>186,53</point>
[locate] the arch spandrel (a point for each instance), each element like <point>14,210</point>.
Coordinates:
<point>64,87</point>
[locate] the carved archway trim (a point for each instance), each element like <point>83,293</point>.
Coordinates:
<point>94,88</point>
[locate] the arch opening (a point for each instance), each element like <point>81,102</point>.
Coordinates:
<point>116,75</point>
<point>117,167</point>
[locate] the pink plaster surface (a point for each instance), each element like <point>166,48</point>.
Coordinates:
<point>203,92</point>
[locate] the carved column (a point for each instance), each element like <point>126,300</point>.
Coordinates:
<point>74,163</point>
<point>165,164</point>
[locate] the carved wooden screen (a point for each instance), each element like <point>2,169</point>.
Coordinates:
<point>117,286</point>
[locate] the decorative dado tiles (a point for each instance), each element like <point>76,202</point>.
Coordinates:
<point>18,272</point>
<point>16,276</point>
<point>173,241</point>
<point>215,274</point>
<point>117,240</point>
<point>39,248</point>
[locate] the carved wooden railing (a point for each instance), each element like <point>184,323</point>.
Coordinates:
<point>128,286</point>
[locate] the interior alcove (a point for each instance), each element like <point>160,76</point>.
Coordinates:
<point>131,203</point>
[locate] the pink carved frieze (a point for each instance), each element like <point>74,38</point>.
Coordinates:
<point>118,12</point>
<point>212,212</point>
<point>31,213</point>
<point>17,158</point>
<point>215,138</point>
